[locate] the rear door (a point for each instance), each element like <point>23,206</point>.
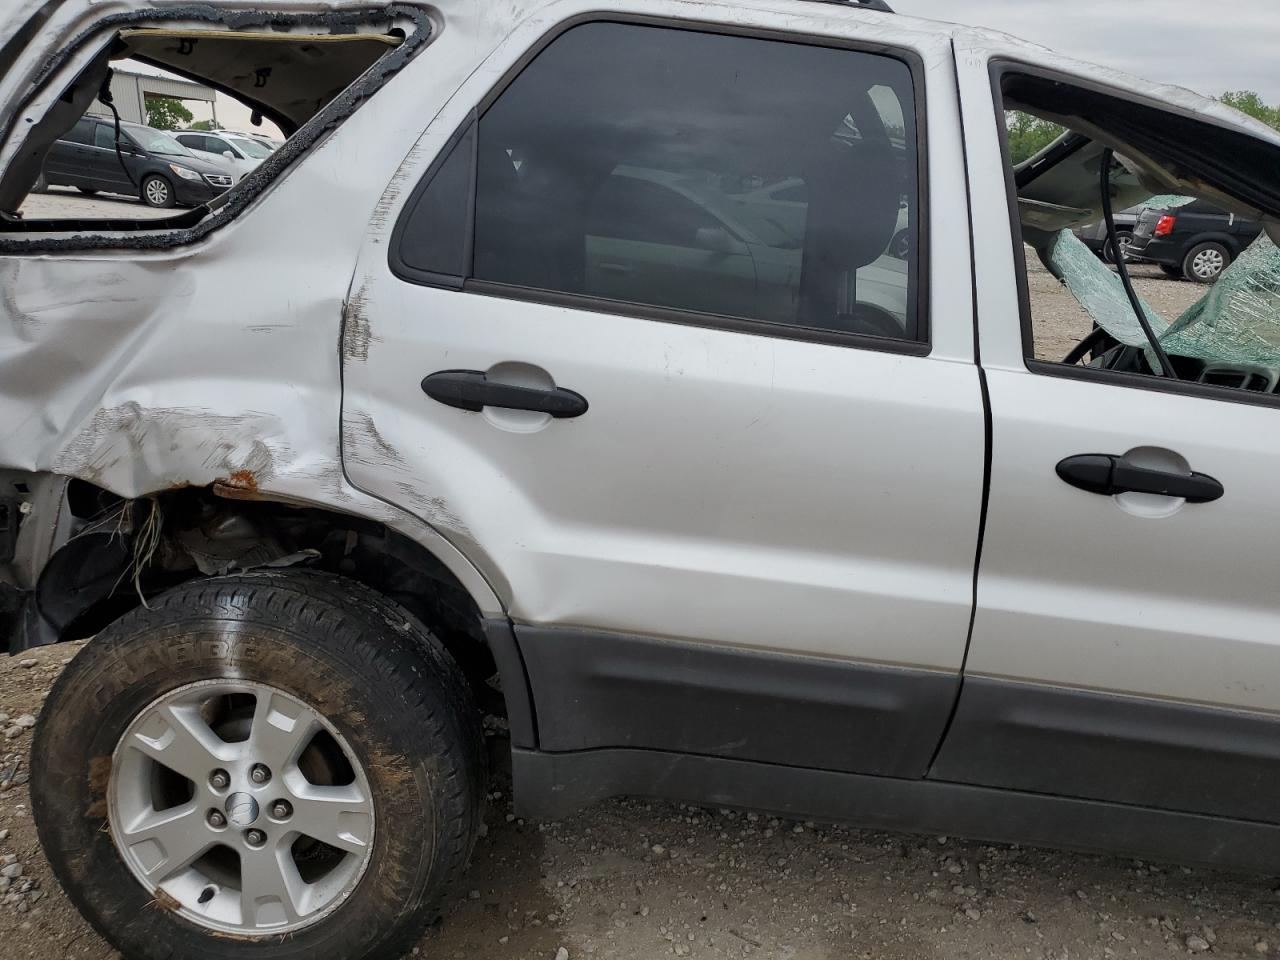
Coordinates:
<point>731,529</point>
<point>108,163</point>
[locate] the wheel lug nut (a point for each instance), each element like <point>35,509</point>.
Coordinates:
<point>259,773</point>
<point>219,780</point>
<point>216,819</point>
<point>281,810</point>
<point>255,838</point>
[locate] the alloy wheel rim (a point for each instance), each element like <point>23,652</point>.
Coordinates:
<point>157,192</point>
<point>240,808</point>
<point>1207,263</point>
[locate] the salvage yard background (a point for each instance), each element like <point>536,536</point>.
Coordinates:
<point>631,880</point>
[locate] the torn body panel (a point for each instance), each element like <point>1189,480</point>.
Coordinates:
<point>126,369</point>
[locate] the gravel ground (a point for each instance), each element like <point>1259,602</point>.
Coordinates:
<point>69,202</point>
<point>631,880</point>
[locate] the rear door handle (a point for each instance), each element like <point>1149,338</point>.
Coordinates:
<point>1109,475</point>
<point>472,390</point>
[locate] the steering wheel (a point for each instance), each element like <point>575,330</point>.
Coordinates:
<point>1096,336</point>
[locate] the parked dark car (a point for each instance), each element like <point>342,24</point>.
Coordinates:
<point>1197,241</point>
<point>1095,234</point>
<point>149,164</point>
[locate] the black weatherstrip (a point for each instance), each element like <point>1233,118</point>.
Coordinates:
<point>1100,746</point>
<point>597,689</point>
<point>988,432</point>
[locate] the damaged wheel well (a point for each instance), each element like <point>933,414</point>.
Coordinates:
<point>125,551</point>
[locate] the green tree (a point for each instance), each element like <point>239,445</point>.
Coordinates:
<point>201,125</point>
<point>1247,101</point>
<point>166,113</point>
<point>1029,135</point>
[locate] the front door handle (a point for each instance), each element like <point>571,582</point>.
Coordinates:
<point>1108,475</point>
<point>473,390</point>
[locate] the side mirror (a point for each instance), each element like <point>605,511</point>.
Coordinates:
<point>228,154</point>
<point>718,240</point>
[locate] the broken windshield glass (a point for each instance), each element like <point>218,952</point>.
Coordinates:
<point>1237,321</point>
<point>1097,289</point>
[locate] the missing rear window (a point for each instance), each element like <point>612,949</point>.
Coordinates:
<point>151,131</point>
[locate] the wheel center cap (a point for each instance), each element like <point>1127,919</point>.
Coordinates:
<point>242,809</point>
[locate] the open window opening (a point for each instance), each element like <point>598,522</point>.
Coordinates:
<point>161,125</point>
<point>1195,204</point>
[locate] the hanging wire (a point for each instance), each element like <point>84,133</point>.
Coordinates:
<point>108,99</point>
<point>1166,368</point>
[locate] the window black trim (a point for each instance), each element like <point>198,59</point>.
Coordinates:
<point>1135,381</point>
<point>692,318</point>
<point>922,345</point>
<point>428,278</point>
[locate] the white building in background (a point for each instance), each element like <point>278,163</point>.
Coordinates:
<point>131,90</point>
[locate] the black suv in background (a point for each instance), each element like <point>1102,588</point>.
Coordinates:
<point>156,167</point>
<point>1197,241</point>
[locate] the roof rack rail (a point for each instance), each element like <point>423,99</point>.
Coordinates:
<point>879,5</point>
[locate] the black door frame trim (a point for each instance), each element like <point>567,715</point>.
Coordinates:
<point>1209,761</point>
<point>595,689</point>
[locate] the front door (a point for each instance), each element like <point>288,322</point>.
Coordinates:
<point>1126,642</point>
<point>721,526</point>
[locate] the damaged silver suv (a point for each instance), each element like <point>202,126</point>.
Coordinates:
<point>664,380</point>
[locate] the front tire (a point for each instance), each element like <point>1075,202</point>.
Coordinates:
<point>158,192</point>
<point>344,783</point>
<point>1205,262</point>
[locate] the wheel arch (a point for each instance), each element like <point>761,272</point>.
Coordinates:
<point>115,551</point>
<point>1223,239</point>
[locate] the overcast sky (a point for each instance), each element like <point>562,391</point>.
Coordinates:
<point>233,115</point>
<point>1211,46</point>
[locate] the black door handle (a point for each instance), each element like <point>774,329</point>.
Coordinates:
<point>1108,475</point>
<point>472,390</point>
